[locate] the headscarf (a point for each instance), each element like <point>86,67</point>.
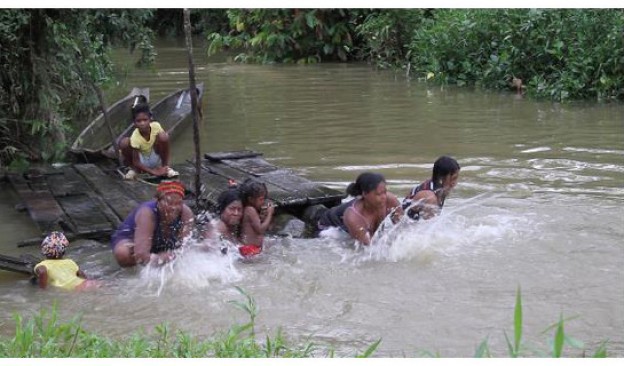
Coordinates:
<point>53,246</point>
<point>166,187</point>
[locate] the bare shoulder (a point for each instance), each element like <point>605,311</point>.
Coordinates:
<point>427,196</point>
<point>250,211</point>
<point>392,200</point>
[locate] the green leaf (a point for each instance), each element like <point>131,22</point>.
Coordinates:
<point>518,322</point>
<point>369,351</point>
<point>510,346</point>
<point>559,338</point>
<point>483,350</point>
<point>601,352</point>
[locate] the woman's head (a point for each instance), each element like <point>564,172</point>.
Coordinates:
<point>371,186</point>
<point>253,193</point>
<point>53,246</point>
<point>445,173</point>
<point>170,198</point>
<point>230,207</point>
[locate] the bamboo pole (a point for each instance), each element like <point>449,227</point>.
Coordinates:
<point>193,90</point>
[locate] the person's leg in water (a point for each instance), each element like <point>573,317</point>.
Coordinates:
<point>124,253</point>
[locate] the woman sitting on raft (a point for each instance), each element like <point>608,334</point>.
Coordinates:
<point>427,198</point>
<point>154,229</point>
<point>362,216</point>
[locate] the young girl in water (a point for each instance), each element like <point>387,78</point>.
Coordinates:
<point>427,198</point>
<point>256,218</point>
<point>56,271</point>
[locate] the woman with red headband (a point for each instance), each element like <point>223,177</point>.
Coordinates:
<point>154,229</point>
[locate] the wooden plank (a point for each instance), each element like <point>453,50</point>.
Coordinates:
<point>225,155</point>
<point>84,213</point>
<point>42,207</point>
<point>254,166</point>
<point>280,196</point>
<point>111,190</point>
<point>301,191</point>
<point>67,183</point>
<point>19,265</point>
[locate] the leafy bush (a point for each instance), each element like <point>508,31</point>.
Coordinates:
<point>289,35</point>
<point>559,54</point>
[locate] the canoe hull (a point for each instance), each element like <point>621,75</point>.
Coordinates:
<point>96,137</point>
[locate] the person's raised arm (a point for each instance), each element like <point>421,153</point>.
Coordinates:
<point>356,226</point>
<point>143,234</point>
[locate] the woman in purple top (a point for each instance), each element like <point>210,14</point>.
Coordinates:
<point>154,229</point>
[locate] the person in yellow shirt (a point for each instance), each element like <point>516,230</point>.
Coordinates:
<point>147,149</point>
<point>56,271</point>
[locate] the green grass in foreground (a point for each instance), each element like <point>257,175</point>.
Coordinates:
<point>43,336</point>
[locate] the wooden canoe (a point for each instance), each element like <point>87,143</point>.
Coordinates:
<point>96,137</point>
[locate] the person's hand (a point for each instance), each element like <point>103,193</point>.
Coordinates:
<point>270,209</point>
<point>161,258</point>
<point>161,171</point>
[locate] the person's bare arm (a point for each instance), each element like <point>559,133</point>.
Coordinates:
<point>394,206</point>
<point>143,234</point>
<point>356,226</point>
<point>42,276</point>
<point>428,204</point>
<point>259,227</point>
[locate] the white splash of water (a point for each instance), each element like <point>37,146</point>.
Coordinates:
<point>194,267</point>
<point>453,232</point>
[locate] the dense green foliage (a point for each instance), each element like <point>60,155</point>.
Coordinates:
<point>169,22</point>
<point>290,35</point>
<point>559,54</point>
<point>386,35</point>
<point>49,61</point>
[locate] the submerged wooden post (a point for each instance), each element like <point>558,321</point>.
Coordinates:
<point>193,90</point>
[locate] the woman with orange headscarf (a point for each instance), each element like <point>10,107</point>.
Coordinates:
<point>154,229</point>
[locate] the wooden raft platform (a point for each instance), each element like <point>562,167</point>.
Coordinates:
<point>88,201</point>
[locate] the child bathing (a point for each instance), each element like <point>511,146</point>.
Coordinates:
<point>256,218</point>
<point>56,271</point>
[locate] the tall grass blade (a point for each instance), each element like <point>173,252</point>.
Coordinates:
<point>369,351</point>
<point>509,346</point>
<point>518,322</point>
<point>559,338</point>
<point>483,350</point>
<point>601,352</point>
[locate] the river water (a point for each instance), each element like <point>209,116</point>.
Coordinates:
<point>539,206</point>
